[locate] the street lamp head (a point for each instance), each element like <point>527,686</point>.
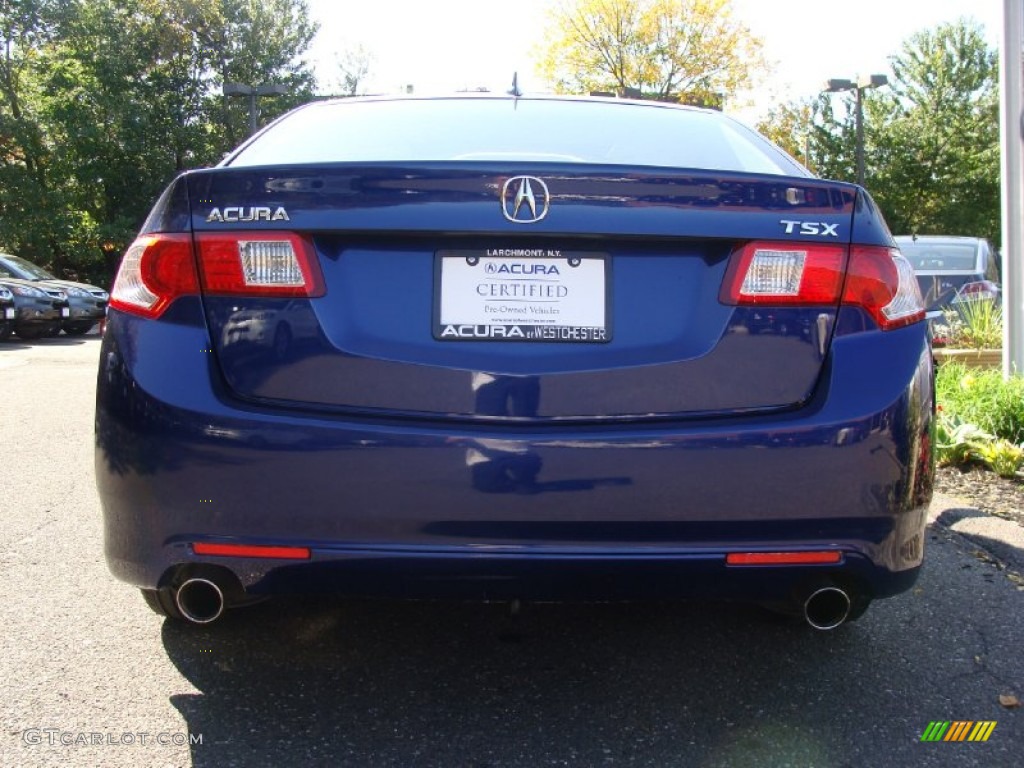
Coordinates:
<point>872,81</point>
<point>272,89</point>
<point>834,85</point>
<point>236,89</point>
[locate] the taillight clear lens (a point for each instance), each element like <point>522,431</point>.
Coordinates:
<point>763,273</point>
<point>258,264</point>
<point>155,271</point>
<point>774,273</point>
<point>272,262</point>
<point>882,281</point>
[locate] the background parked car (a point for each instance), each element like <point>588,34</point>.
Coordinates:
<point>8,311</point>
<point>952,269</point>
<point>87,303</point>
<point>40,309</point>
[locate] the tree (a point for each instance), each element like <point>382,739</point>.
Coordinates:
<point>790,127</point>
<point>257,42</point>
<point>809,130</point>
<point>32,203</point>
<point>102,102</point>
<point>671,50</point>
<point>354,67</point>
<point>935,135</point>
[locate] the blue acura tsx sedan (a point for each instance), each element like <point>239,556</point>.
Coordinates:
<point>500,348</point>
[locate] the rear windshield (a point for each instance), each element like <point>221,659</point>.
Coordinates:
<point>928,257</point>
<point>513,130</point>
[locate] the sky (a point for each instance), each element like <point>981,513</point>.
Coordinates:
<point>448,45</point>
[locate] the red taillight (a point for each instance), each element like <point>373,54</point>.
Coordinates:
<point>258,264</point>
<point>882,282</point>
<point>155,271</point>
<point>981,290</point>
<point>251,550</point>
<point>782,274</point>
<point>877,279</point>
<point>784,558</point>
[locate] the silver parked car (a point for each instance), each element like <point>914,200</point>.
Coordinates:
<point>951,270</point>
<point>87,304</point>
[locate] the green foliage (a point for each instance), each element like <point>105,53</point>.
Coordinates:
<point>811,131</point>
<point>934,138</point>
<point>983,398</point>
<point>980,418</point>
<point>956,442</point>
<point>103,102</point>
<point>353,69</point>
<point>1002,457</point>
<point>790,126</point>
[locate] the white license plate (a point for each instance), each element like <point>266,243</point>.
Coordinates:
<point>9,313</point>
<point>65,312</point>
<point>537,295</point>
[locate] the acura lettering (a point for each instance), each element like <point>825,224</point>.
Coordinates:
<point>483,332</point>
<point>521,269</point>
<point>233,214</point>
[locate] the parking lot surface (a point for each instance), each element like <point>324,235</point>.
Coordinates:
<point>91,677</point>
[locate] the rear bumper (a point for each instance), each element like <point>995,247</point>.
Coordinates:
<point>611,573</point>
<point>431,509</point>
<point>35,313</point>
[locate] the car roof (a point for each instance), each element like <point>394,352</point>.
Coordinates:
<point>480,96</point>
<point>940,239</point>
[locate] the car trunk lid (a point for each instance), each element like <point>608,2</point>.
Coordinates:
<point>549,293</point>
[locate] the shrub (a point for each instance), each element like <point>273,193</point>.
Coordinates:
<point>957,442</point>
<point>982,398</point>
<point>975,324</point>
<point>1002,457</point>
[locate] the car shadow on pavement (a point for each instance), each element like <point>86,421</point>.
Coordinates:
<point>13,342</point>
<point>306,681</point>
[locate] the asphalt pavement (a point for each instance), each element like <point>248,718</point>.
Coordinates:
<point>90,676</point>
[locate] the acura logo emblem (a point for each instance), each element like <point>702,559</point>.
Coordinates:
<point>525,199</point>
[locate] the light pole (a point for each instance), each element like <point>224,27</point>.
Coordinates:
<point>1011,136</point>
<point>252,91</point>
<point>860,85</point>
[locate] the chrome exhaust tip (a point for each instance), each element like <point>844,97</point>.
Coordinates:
<point>827,608</point>
<point>200,600</point>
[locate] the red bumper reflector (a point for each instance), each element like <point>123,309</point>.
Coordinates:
<point>249,550</point>
<point>783,558</point>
